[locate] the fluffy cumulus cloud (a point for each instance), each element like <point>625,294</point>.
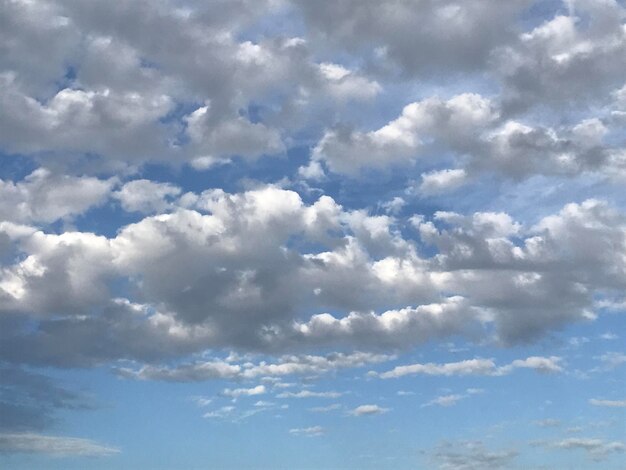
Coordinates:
<point>452,36</point>
<point>572,56</point>
<point>121,94</point>
<point>146,196</point>
<point>401,141</point>
<point>297,201</point>
<point>368,410</point>
<point>481,138</point>
<point>232,270</point>
<point>45,197</point>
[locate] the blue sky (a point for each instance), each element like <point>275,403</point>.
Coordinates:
<point>322,235</point>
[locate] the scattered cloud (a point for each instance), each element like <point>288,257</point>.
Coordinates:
<point>280,195</point>
<point>608,403</point>
<point>598,449</point>
<point>243,392</point>
<point>312,431</point>
<point>445,400</point>
<point>368,410</point>
<point>309,394</point>
<point>470,455</point>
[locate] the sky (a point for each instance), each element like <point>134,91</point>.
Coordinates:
<point>332,234</point>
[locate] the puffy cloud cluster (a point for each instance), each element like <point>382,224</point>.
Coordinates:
<point>481,139</point>
<point>400,141</point>
<point>423,38</point>
<point>571,57</point>
<point>110,111</point>
<point>107,83</point>
<point>44,197</point>
<point>236,270</point>
<point>304,365</point>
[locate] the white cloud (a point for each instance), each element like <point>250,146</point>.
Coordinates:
<point>312,171</point>
<point>608,403</point>
<point>310,431</point>
<point>475,367</point>
<point>244,392</point>
<point>344,84</point>
<point>309,394</point>
<point>264,404</point>
<point>146,196</point>
<point>368,410</point>
<point>467,367</point>
<point>220,413</point>
<point>201,271</point>
<point>44,196</point>
<point>230,137</point>
<point>93,97</point>
<point>441,181</point>
<point>445,400</point>
<point>598,449</point>
<point>569,57</point>
<point>398,143</point>
<point>286,365</point>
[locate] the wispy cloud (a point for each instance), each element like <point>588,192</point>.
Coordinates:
<point>61,446</point>
<point>312,431</point>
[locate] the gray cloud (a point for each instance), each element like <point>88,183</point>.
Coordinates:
<point>120,84</point>
<point>29,400</point>
<point>471,455</point>
<point>420,39</point>
<point>60,446</point>
<point>569,58</point>
<point>219,274</point>
<point>482,139</point>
